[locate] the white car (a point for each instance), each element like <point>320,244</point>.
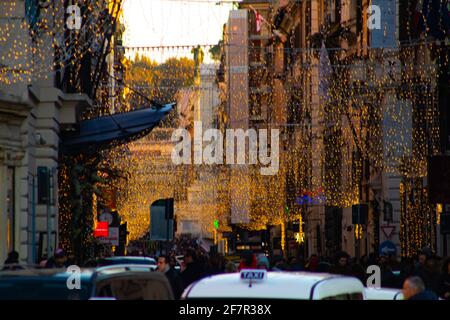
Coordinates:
<point>260,284</point>
<point>371,293</point>
<point>125,260</point>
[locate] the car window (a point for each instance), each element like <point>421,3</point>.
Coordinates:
<point>134,288</point>
<point>108,262</point>
<point>346,296</point>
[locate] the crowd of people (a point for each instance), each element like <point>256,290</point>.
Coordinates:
<point>426,276</point>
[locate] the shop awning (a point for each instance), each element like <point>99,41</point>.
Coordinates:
<point>107,131</point>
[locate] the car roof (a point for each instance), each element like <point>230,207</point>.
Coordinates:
<point>371,293</point>
<point>120,268</point>
<point>44,273</point>
<point>130,258</point>
<point>281,285</point>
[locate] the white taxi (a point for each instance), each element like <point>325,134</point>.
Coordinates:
<point>260,284</point>
<point>372,293</point>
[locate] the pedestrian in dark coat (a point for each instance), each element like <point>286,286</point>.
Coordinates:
<point>444,280</point>
<point>11,263</point>
<point>342,265</point>
<point>172,275</point>
<point>193,270</point>
<point>215,265</point>
<point>248,260</point>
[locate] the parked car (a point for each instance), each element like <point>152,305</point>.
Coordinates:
<point>117,282</point>
<point>260,284</point>
<point>132,282</point>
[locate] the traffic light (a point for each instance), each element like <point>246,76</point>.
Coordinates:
<point>360,213</point>
<point>388,211</point>
<point>445,223</point>
<point>123,233</point>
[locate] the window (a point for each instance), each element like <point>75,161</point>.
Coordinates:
<point>346,296</point>
<point>10,204</point>
<point>32,11</point>
<point>43,185</point>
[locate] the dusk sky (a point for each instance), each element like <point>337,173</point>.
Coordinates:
<point>173,22</point>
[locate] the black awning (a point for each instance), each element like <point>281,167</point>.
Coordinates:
<point>113,129</point>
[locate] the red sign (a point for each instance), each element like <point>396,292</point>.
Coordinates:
<point>101,230</point>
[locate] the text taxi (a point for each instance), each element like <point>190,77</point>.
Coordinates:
<point>260,284</point>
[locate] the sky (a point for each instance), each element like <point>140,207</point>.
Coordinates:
<point>173,22</point>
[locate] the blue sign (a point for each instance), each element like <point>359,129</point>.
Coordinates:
<point>388,248</point>
<point>311,200</point>
<point>385,37</point>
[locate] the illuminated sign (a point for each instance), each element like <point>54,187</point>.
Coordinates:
<point>315,197</point>
<point>101,230</point>
<point>253,275</point>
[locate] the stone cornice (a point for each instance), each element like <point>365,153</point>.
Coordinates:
<point>14,105</point>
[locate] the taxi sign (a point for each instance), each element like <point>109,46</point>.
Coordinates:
<point>253,274</point>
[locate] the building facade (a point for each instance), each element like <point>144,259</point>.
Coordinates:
<point>360,108</point>
<point>43,92</point>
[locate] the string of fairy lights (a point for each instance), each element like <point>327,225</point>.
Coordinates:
<point>392,121</point>
<point>383,105</point>
<point>396,142</point>
<point>26,46</point>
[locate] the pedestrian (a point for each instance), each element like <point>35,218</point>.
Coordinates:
<point>341,265</point>
<point>230,267</point>
<point>174,279</point>
<point>12,261</point>
<point>13,258</point>
<point>426,269</point>
<point>388,279</point>
<point>414,289</point>
<point>43,261</point>
<point>295,264</point>
<point>358,272</point>
<point>59,260</point>
<point>279,264</point>
<point>248,260</point>
<point>214,265</point>
<point>313,263</point>
<point>406,270</point>
<point>364,261</point>
<point>193,271</point>
<point>323,267</point>
<point>263,262</point>
<point>444,280</point>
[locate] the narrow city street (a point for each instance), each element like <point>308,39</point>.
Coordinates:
<point>221,149</point>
